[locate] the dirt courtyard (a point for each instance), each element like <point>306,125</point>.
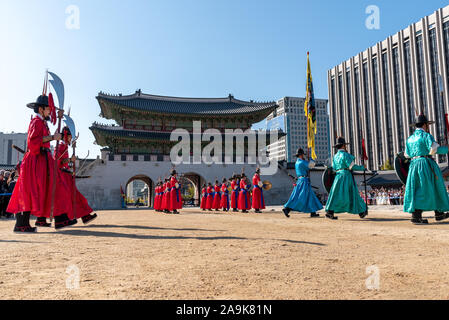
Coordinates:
<point>141,254</point>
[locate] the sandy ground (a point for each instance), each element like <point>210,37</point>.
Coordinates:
<point>141,254</point>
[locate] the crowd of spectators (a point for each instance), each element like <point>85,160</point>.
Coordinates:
<point>8,180</point>
<point>384,196</point>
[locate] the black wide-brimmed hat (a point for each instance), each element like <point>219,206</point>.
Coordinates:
<point>340,142</point>
<point>421,120</point>
<point>42,100</point>
<point>299,152</point>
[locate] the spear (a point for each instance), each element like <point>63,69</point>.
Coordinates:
<point>74,179</point>
<point>59,89</point>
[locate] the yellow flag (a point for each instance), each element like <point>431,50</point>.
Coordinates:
<point>310,111</point>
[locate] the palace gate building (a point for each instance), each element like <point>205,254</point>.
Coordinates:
<point>138,145</point>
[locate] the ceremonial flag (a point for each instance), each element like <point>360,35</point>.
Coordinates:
<point>310,112</point>
<point>364,156</point>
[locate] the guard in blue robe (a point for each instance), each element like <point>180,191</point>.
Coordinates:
<point>303,199</point>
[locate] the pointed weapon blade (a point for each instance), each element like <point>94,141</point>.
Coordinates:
<point>58,85</point>
<point>71,124</point>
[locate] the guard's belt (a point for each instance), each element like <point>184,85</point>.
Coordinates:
<point>430,157</point>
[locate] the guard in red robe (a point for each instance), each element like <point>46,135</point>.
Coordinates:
<point>224,202</point>
<point>235,186</point>
<point>210,196</point>
<point>244,195</point>
<point>157,197</point>
<point>175,193</point>
<point>217,196</point>
<point>33,191</point>
<point>203,197</point>
<point>166,196</point>
<point>258,201</point>
<point>79,207</point>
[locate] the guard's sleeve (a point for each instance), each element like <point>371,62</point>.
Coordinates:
<point>35,136</point>
<point>312,164</point>
<point>407,151</point>
<point>353,166</point>
<point>357,167</point>
<point>434,147</point>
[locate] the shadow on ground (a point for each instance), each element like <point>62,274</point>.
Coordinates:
<point>147,228</point>
<point>89,233</point>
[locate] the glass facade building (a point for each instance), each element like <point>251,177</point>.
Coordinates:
<point>377,94</point>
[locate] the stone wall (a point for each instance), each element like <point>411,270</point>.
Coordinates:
<point>102,189</point>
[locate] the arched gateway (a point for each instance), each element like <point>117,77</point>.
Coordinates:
<point>139,143</point>
<point>143,192</point>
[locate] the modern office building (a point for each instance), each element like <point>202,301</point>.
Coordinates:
<point>379,92</point>
<point>8,155</point>
<point>290,118</point>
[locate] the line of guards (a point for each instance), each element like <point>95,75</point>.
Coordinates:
<point>239,194</point>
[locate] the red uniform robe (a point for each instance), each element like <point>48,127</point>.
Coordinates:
<point>258,201</point>
<point>244,196</point>
<point>157,198</point>
<point>33,190</point>
<point>235,194</point>
<point>224,202</point>
<point>217,198</point>
<point>203,198</point>
<point>81,208</point>
<point>166,196</point>
<point>210,198</point>
<point>175,195</point>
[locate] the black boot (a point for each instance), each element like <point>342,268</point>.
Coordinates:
<point>330,215</point>
<point>286,211</point>
<point>364,214</point>
<point>89,218</point>
<point>235,210</point>
<point>63,221</point>
<point>23,223</point>
<point>42,222</point>
<point>439,216</point>
<point>314,215</point>
<point>417,218</point>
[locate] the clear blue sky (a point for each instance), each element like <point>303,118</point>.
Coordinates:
<point>253,49</point>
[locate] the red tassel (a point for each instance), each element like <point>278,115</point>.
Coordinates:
<point>51,103</point>
<point>365,157</point>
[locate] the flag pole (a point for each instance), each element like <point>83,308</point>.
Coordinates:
<point>307,111</point>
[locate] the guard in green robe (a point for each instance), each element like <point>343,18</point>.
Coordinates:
<point>344,195</point>
<point>424,190</point>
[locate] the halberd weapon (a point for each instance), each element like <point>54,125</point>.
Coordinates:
<point>58,85</point>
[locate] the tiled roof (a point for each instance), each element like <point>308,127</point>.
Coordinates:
<point>134,134</point>
<point>201,106</point>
